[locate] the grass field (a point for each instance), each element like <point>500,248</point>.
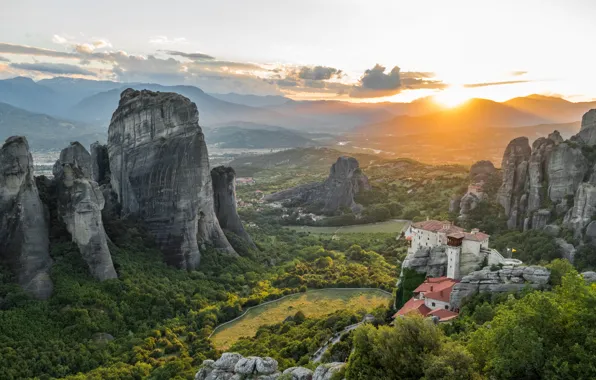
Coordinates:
<point>315,303</point>
<point>390,226</point>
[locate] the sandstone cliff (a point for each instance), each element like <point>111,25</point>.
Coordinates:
<point>160,172</point>
<point>80,204</point>
<point>231,366</point>
<point>224,193</point>
<point>24,241</point>
<point>337,192</point>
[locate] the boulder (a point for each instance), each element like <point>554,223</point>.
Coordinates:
<point>224,195</point>
<point>160,173</point>
<point>266,366</point>
<point>326,371</point>
<point>552,230</point>
<point>567,249</point>
<point>24,240</point>
<point>227,361</point>
<point>589,277</point>
<point>80,204</point>
<point>205,370</point>
<point>246,366</point>
<point>299,373</point>
<point>335,193</point>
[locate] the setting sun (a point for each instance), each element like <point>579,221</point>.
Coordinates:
<point>452,96</point>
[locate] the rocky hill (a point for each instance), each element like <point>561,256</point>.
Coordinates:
<point>232,365</point>
<point>334,194</point>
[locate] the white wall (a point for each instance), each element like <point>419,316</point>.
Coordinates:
<point>471,246</point>
<point>438,304</point>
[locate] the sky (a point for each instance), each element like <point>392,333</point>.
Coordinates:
<point>373,50</point>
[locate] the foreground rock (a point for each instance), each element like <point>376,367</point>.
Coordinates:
<point>509,279</point>
<point>160,172</point>
<point>24,241</point>
<point>224,194</point>
<point>80,205</point>
<point>233,366</point>
<point>337,192</point>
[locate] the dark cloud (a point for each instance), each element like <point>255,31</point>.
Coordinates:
<point>518,73</point>
<point>28,50</point>
<point>487,84</point>
<point>53,68</point>
<point>377,82</point>
<point>193,56</point>
<point>2,59</point>
<point>318,73</point>
<point>286,83</point>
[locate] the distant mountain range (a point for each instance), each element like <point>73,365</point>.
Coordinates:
<point>87,106</point>
<point>43,131</point>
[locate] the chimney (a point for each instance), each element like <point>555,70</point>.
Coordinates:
<point>474,231</point>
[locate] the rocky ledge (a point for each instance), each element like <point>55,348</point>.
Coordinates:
<point>508,279</point>
<point>233,366</point>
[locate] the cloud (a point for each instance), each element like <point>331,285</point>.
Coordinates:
<point>59,40</point>
<point>53,68</point>
<point>29,50</point>
<point>2,59</point>
<point>164,40</point>
<point>487,84</point>
<point>193,56</point>
<point>518,73</point>
<point>318,73</point>
<point>377,82</point>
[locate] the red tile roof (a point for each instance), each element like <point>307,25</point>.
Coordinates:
<point>450,230</point>
<point>413,306</point>
<point>435,284</point>
<point>440,295</point>
<point>478,236</point>
<point>443,314</point>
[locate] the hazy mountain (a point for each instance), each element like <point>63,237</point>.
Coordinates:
<point>43,131</point>
<point>473,114</point>
<point>237,137</point>
<point>557,110</point>
<point>26,94</point>
<point>72,90</point>
<point>253,100</point>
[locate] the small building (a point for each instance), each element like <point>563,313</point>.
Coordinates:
<point>431,299</point>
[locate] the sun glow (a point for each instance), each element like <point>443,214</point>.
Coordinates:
<point>452,96</point>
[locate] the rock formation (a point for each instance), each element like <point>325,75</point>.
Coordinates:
<point>515,164</point>
<point>433,261</point>
<point>335,193</point>
<point>24,241</point>
<point>224,194</point>
<point>160,172</point>
<point>80,203</point>
<point>100,163</point>
<point>509,279</point>
<point>233,366</point>
<point>584,207</point>
<point>481,171</point>
<point>587,132</point>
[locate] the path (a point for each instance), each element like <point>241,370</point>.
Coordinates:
<point>334,339</point>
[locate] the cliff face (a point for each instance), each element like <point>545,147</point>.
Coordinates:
<point>224,196</point>
<point>160,172</point>
<point>512,194</point>
<point>80,204</point>
<point>24,241</point>
<point>336,192</point>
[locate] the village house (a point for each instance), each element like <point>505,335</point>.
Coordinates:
<point>431,299</point>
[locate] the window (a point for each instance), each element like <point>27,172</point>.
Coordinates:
<point>446,307</point>
<point>433,304</point>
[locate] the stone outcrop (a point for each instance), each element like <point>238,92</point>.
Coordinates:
<point>160,173</point>
<point>467,203</point>
<point>584,207</point>
<point>224,195</point>
<point>24,241</point>
<point>80,205</point>
<point>433,261</point>
<point>481,171</point>
<point>587,132</point>
<point>540,179</point>
<point>508,279</point>
<point>589,277</point>
<point>568,250</point>
<point>100,163</point>
<point>515,171</point>
<point>335,193</point>
<point>233,366</point>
